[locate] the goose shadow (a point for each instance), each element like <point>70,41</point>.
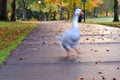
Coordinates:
<point>65,59</point>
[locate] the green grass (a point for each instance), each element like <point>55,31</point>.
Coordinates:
<point>11,35</point>
<point>100,19</point>
<point>103,21</point>
<point>111,24</point>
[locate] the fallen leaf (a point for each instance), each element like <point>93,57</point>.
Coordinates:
<point>91,49</point>
<point>105,29</point>
<point>96,62</point>
<point>21,58</point>
<point>55,43</point>
<point>100,72</point>
<point>103,78</point>
<point>87,38</point>
<point>107,50</point>
<point>102,35</point>
<point>81,78</point>
<point>93,79</point>
<point>43,43</point>
<point>115,38</point>
<point>114,79</point>
<point>93,39</point>
<point>98,38</point>
<point>95,50</point>
<point>118,68</point>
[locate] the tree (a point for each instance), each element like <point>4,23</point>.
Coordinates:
<point>3,10</point>
<point>24,4</point>
<point>116,17</point>
<point>106,7</point>
<point>13,5</point>
<point>70,5</point>
<point>60,4</point>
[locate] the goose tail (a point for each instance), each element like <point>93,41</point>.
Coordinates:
<point>59,38</point>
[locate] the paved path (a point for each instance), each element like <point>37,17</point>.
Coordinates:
<point>39,56</point>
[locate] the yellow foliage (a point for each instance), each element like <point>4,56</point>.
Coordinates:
<point>9,0</point>
<point>90,4</point>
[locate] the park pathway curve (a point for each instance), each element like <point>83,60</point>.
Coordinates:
<point>40,57</point>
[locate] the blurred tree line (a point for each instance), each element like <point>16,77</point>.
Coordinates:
<point>55,9</point>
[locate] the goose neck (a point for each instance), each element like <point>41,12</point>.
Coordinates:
<point>75,21</point>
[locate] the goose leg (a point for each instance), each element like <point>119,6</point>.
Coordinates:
<point>78,52</point>
<point>69,54</point>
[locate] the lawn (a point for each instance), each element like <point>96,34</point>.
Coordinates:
<point>103,21</point>
<point>100,19</point>
<point>11,35</point>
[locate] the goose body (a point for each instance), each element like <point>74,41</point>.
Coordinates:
<point>69,39</point>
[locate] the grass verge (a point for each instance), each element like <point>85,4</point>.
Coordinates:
<point>11,35</point>
<point>111,24</point>
<point>103,21</point>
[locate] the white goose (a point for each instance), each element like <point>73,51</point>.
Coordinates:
<point>69,39</point>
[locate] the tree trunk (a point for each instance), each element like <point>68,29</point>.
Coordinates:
<point>95,13</point>
<point>61,10</point>
<point>61,13</point>
<point>13,5</point>
<point>24,10</point>
<point>74,6</point>
<point>116,17</point>
<point>3,10</point>
<point>106,13</point>
<point>24,14</point>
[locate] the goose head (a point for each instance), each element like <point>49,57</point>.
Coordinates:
<point>78,12</point>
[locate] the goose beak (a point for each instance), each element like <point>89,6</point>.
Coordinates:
<point>81,13</point>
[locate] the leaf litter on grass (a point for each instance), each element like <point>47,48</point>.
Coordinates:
<point>11,34</point>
